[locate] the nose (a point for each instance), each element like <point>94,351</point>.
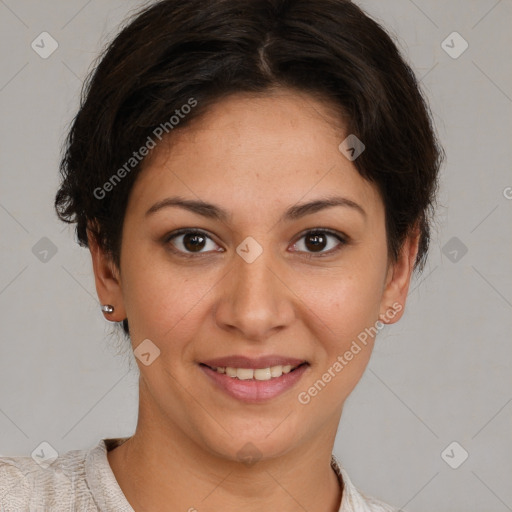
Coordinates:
<point>255,302</point>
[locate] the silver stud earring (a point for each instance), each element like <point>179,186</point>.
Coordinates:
<point>107,308</point>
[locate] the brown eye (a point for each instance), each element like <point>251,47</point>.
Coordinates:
<point>315,241</point>
<point>320,242</point>
<point>193,242</point>
<point>190,242</point>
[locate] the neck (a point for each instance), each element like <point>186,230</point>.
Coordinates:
<point>162,469</point>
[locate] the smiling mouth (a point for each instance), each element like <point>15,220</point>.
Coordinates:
<point>262,374</point>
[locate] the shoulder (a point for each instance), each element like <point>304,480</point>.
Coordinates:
<point>355,501</point>
<point>60,485</point>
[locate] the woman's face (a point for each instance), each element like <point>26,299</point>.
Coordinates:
<point>264,279</point>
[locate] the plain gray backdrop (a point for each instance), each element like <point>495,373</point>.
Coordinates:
<point>440,376</point>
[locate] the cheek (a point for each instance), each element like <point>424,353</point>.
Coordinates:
<point>346,316</point>
<point>344,308</point>
<point>163,302</point>
<point>346,302</point>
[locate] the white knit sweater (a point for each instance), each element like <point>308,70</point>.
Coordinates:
<point>82,481</point>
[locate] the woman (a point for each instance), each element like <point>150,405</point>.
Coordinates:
<point>255,181</point>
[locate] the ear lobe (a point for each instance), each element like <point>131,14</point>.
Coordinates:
<point>398,280</point>
<point>107,279</point>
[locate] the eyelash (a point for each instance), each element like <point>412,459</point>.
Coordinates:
<point>185,231</point>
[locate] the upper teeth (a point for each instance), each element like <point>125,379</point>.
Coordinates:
<point>258,373</point>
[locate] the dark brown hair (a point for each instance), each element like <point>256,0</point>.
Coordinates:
<point>174,53</point>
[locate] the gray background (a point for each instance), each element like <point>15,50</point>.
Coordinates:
<point>442,374</point>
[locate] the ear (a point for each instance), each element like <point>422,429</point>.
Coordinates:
<point>398,280</point>
<point>108,281</point>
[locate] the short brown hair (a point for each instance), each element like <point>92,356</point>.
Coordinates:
<point>173,51</point>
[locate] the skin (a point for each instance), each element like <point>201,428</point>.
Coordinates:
<point>254,156</point>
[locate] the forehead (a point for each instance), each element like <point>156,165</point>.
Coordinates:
<point>253,151</point>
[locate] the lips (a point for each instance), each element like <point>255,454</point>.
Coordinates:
<point>239,361</point>
<point>254,390</point>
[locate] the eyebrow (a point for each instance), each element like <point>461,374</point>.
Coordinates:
<point>295,212</point>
